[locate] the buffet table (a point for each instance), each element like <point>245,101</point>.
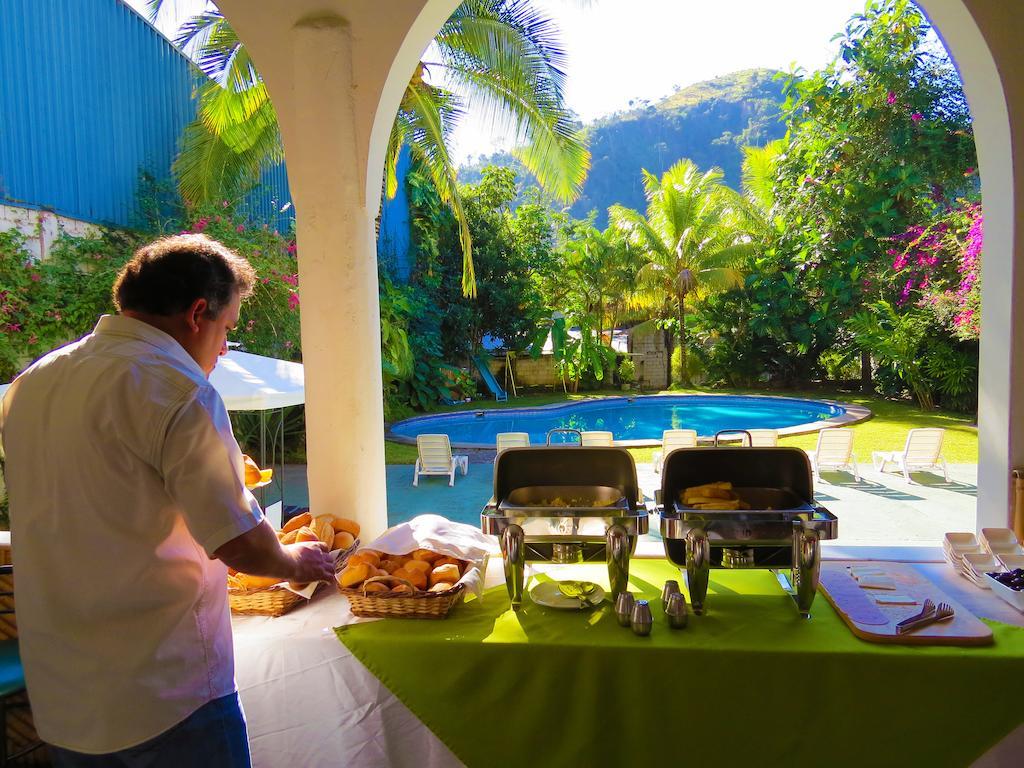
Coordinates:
<point>749,683</point>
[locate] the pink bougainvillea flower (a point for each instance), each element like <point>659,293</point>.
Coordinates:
<point>35,277</point>
<point>32,339</point>
<point>250,325</point>
<point>224,204</point>
<point>891,98</point>
<point>917,117</point>
<point>969,172</point>
<point>292,249</point>
<point>293,300</point>
<point>288,345</point>
<point>239,228</point>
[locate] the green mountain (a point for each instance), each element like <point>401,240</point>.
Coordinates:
<point>708,122</point>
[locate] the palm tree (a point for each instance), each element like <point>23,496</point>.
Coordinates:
<point>691,240</point>
<point>501,56</point>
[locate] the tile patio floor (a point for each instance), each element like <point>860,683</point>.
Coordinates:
<point>880,510</point>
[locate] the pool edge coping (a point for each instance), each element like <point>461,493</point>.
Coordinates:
<point>853,414</point>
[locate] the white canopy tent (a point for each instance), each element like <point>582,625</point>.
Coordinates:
<point>248,382</point>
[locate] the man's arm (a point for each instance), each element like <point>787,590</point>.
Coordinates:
<point>259,553</point>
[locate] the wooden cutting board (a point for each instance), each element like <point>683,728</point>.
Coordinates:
<point>876,623</point>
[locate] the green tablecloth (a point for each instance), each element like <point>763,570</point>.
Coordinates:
<point>749,683</point>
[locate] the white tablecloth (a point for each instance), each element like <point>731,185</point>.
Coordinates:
<point>309,702</point>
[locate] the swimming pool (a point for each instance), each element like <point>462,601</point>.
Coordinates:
<point>633,420</point>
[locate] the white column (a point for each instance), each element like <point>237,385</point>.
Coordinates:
<point>337,280</point>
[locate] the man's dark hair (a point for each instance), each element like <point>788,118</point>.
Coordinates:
<point>168,275</point>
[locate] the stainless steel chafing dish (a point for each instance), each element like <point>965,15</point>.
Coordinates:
<point>782,529</point>
<point>565,504</point>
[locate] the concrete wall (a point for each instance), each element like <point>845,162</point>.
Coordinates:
<point>651,359</point>
<point>41,228</point>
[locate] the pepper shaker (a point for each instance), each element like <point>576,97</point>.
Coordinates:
<point>641,619</point>
<point>671,588</point>
<point>675,611</point>
<point>624,608</point>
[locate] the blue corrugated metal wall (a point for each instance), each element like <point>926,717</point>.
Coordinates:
<point>90,95</point>
<point>395,237</point>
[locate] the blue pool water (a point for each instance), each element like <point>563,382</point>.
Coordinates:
<point>639,418</point>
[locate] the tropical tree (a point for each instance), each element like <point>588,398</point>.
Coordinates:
<point>691,240</point>
<point>500,56</point>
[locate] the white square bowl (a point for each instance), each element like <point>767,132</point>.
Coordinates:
<point>1014,598</point>
<point>1012,562</point>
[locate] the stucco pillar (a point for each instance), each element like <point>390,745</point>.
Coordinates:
<point>983,37</point>
<point>337,279</point>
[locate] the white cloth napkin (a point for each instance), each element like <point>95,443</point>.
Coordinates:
<point>438,534</point>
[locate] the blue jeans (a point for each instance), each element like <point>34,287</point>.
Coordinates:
<point>214,735</point>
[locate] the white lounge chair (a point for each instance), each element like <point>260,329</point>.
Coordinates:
<point>763,438</point>
<point>505,440</point>
<point>435,458</point>
<point>923,450</point>
<point>597,438</point>
<point>835,450</point>
<point>670,440</point>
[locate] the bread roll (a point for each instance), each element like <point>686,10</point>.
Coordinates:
<point>441,586</point>
<point>417,578</point>
<point>342,540</point>
<point>306,534</point>
<point>418,565</point>
<point>445,573</point>
<point>377,586</point>
<point>354,574</point>
<point>344,524</point>
<point>388,565</point>
<point>448,560</point>
<point>425,554</point>
<point>323,529</point>
<point>297,522</point>
<point>367,556</point>
<point>403,589</point>
<point>257,582</point>
<point>289,538</point>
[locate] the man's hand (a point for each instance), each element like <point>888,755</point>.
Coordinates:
<point>259,553</point>
<point>312,561</point>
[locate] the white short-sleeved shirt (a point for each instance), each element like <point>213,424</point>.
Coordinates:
<point>123,477</point>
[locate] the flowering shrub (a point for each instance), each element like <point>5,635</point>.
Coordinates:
<point>44,304</point>
<point>939,266</point>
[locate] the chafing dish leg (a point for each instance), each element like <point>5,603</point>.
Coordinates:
<point>618,559</point>
<point>806,567</point>
<point>513,554</point>
<point>698,567</point>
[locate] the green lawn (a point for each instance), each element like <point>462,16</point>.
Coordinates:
<point>885,431</point>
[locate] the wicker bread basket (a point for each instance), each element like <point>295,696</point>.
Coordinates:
<point>276,600</point>
<point>401,605</point>
<point>270,601</point>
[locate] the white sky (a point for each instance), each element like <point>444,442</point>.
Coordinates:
<point>622,50</point>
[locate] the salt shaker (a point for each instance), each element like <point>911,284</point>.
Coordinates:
<point>675,611</point>
<point>671,588</point>
<point>624,608</point>
<point>641,619</point>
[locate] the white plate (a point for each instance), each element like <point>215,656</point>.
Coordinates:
<point>546,593</point>
<point>1012,562</point>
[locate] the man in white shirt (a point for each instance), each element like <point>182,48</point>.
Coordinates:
<point>128,503</point>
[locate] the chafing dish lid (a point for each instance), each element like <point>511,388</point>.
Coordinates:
<point>778,467</point>
<point>565,466</point>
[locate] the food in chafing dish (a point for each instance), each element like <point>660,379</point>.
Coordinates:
<point>717,495</point>
<point>577,503</point>
<point>416,572</point>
